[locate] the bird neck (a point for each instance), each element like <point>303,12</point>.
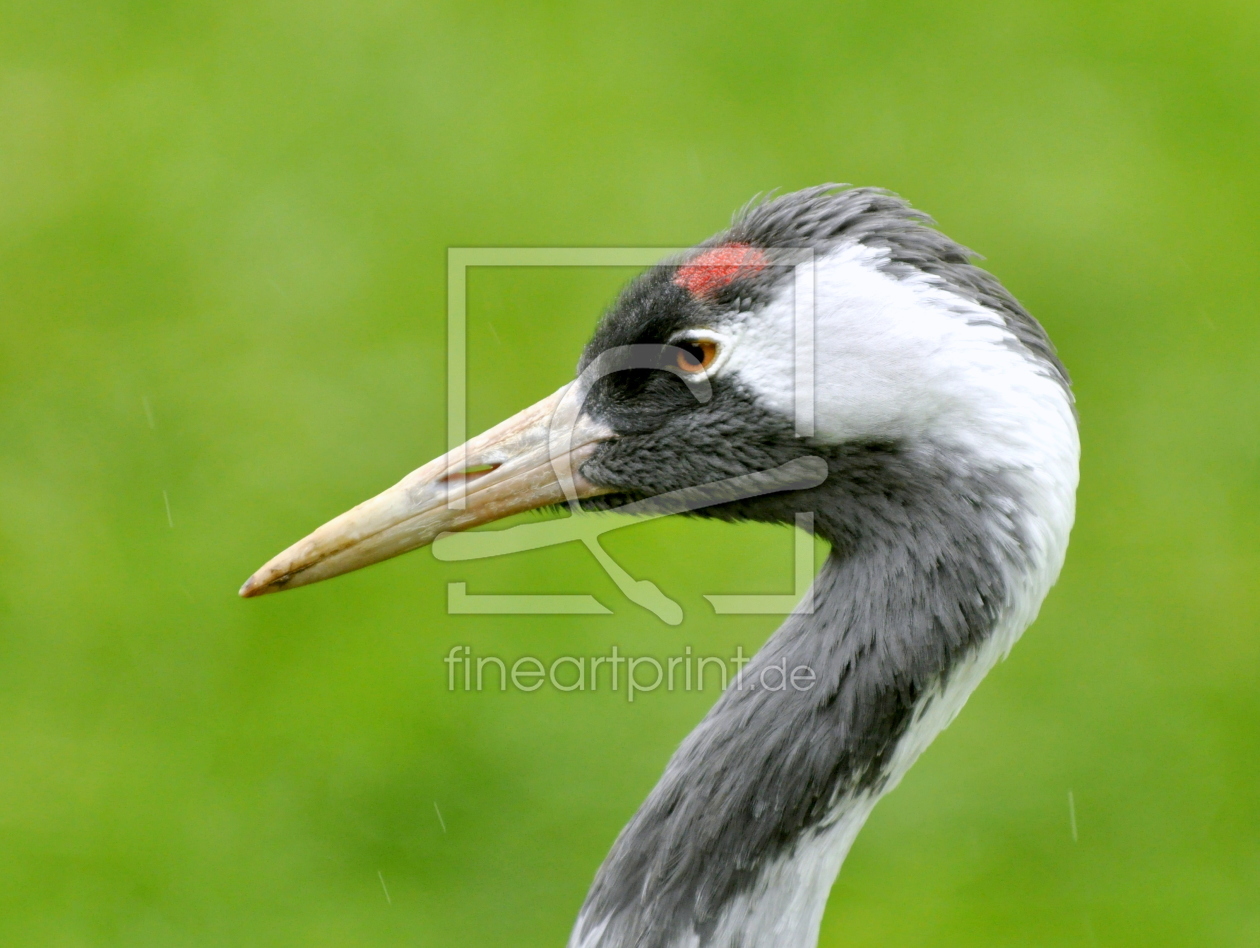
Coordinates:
<point>933,573</point>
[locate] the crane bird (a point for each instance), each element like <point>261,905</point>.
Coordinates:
<point>946,430</point>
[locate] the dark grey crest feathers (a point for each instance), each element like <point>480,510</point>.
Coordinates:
<point>820,217</point>
<point>830,213</point>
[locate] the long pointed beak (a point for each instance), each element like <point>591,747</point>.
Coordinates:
<point>530,460</point>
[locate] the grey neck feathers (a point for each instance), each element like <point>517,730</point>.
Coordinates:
<point>918,575</point>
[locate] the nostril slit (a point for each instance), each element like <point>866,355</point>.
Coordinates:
<point>471,472</point>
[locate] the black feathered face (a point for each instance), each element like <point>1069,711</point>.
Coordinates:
<point>653,372</point>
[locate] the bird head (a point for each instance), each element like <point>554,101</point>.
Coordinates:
<point>830,323</point>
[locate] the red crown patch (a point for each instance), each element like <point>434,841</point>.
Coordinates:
<point>716,268</point>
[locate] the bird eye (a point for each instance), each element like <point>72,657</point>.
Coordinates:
<point>696,355</point>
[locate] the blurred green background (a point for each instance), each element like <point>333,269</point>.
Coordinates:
<point>223,234</point>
